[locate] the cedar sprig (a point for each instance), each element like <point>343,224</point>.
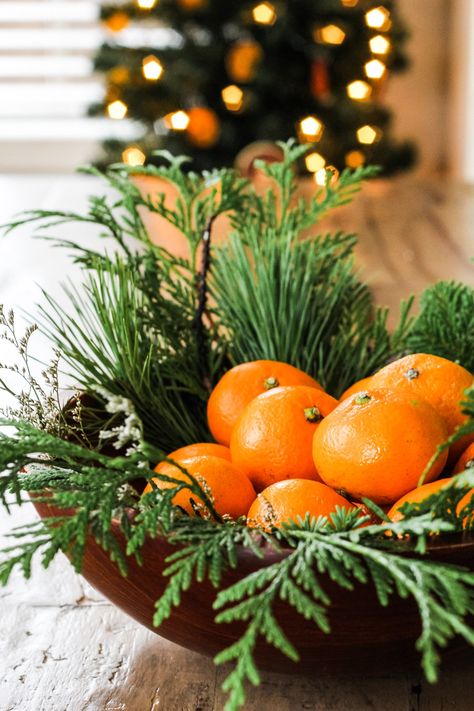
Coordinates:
<point>444,594</point>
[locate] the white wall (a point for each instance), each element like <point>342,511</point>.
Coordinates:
<point>419,97</point>
<point>460,134</point>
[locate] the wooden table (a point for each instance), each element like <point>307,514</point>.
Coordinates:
<point>63,647</point>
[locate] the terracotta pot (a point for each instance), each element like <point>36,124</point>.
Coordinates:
<point>365,638</point>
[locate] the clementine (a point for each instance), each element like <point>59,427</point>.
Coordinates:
<point>195,450</point>
<point>466,460</point>
<point>415,496</point>
<point>423,492</point>
<point>377,444</point>
<point>272,438</point>
<point>358,387</point>
<point>230,490</point>
<point>285,501</point>
<point>242,384</point>
<point>438,381</point>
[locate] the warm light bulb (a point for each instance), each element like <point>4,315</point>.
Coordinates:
<point>233,97</point>
<point>368,134</point>
<point>375,69</point>
<point>326,176</point>
<point>264,13</point>
<point>314,162</point>
<point>378,18</point>
<point>379,44</point>
<point>330,34</point>
<point>177,120</point>
<point>311,127</point>
<point>152,68</point>
<point>349,3</point>
<point>359,90</point>
<point>354,159</point>
<point>117,110</point>
<point>146,4</point>
<point>133,156</point>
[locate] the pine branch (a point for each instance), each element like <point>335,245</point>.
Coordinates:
<point>445,324</point>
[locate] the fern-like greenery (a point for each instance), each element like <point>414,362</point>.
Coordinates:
<point>146,335</point>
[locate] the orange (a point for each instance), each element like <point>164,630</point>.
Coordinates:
<point>423,492</point>
<point>231,491</point>
<point>242,384</point>
<point>377,445</point>
<point>415,496</point>
<point>358,387</point>
<point>272,438</point>
<point>438,381</point>
<point>195,450</point>
<point>287,500</point>
<point>466,460</point>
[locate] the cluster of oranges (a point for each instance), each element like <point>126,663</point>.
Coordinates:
<point>285,448</point>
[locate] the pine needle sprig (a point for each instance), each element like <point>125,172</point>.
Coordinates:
<point>445,323</point>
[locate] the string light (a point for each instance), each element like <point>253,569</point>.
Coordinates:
<point>375,69</point>
<point>326,176</point>
<point>152,68</point>
<point>146,4</point>
<point>311,128</point>
<point>368,134</point>
<point>177,120</point>
<point>379,44</point>
<point>233,97</point>
<point>314,162</point>
<point>378,18</point>
<point>359,90</point>
<point>330,34</point>
<point>354,159</point>
<point>117,110</point>
<point>133,156</point>
<point>349,3</point>
<point>264,13</point>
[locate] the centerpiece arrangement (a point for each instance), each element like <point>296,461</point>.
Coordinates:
<point>220,439</point>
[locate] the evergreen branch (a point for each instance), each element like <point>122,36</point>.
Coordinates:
<point>444,594</point>
<point>445,323</point>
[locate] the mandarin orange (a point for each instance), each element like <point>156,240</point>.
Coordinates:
<point>230,490</point>
<point>438,381</point>
<point>272,438</point>
<point>358,387</point>
<point>466,460</point>
<point>195,450</point>
<point>423,492</point>
<point>242,384</point>
<point>415,496</point>
<point>377,444</point>
<point>287,500</point>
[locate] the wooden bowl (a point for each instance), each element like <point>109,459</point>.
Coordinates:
<point>365,637</point>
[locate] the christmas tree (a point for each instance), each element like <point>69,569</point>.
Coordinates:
<point>232,72</point>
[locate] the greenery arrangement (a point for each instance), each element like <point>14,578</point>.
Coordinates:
<point>208,78</point>
<point>144,338</point>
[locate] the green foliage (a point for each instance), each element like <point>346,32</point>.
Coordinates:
<point>298,300</point>
<point>445,324</point>
<point>144,345</point>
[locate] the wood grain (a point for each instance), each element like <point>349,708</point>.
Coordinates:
<point>62,647</point>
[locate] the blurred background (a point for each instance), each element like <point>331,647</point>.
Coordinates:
<point>391,83</point>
